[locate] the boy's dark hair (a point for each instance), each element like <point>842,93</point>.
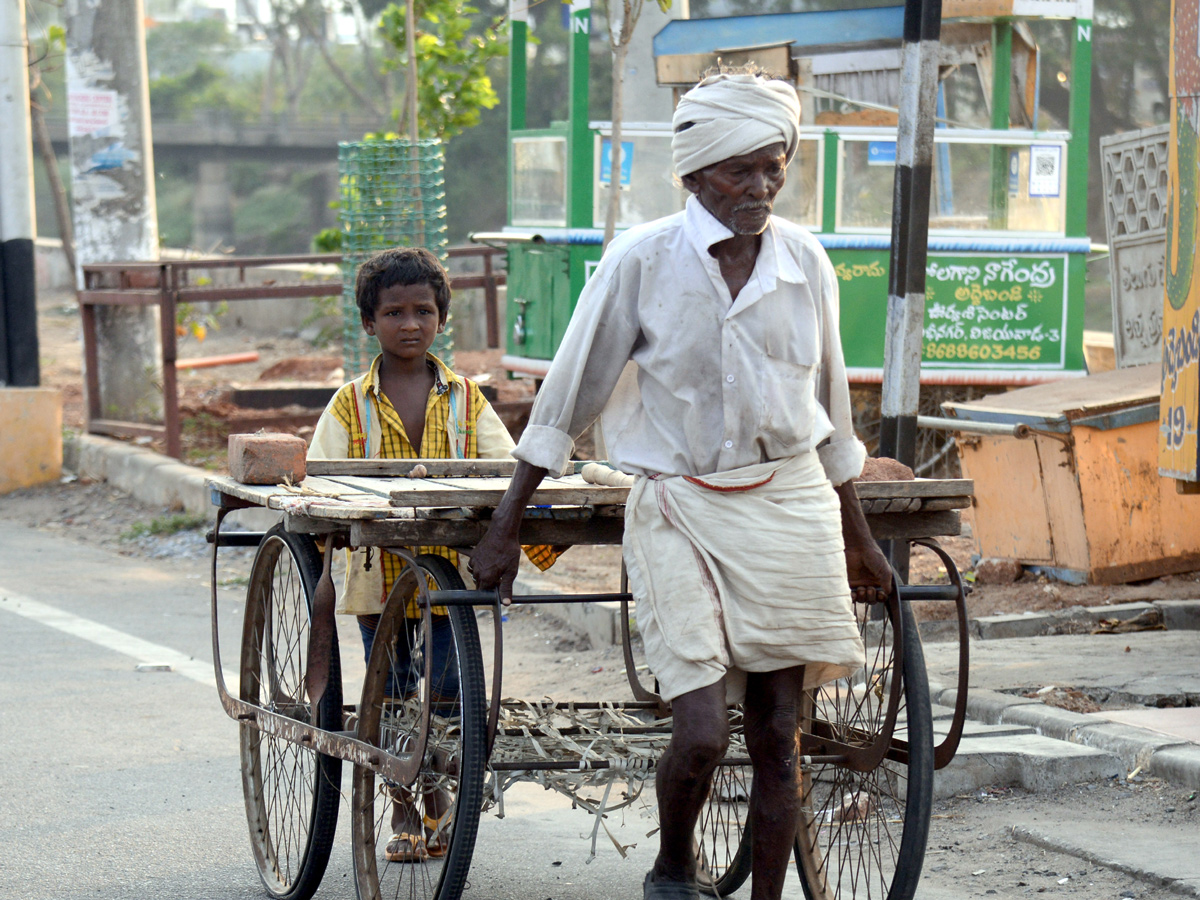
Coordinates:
<point>404,266</point>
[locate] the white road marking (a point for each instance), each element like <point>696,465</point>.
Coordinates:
<point>197,670</point>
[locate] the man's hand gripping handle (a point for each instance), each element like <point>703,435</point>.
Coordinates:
<point>495,560</point>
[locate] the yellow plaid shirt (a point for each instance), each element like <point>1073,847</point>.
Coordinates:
<point>435,444</point>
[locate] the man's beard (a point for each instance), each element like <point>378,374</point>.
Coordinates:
<point>763,207</point>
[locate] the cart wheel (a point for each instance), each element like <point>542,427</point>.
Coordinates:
<point>291,791</point>
<point>863,834</point>
<point>723,833</point>
<point>449,785</point>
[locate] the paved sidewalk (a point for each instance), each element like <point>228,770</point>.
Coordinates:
<point>1137,670</point>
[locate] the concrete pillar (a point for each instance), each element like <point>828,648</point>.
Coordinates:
<point>212,207</point>
<point>323,190</point>
<point>113,201</point>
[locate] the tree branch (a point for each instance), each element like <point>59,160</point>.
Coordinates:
<point>338,72</point>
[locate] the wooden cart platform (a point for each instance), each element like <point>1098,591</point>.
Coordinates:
<point>372,509</point>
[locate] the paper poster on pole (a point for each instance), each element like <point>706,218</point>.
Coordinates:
<point>91,112</point>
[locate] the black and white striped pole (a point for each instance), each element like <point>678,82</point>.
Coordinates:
<point>18,295</point>
<point>910,237</point>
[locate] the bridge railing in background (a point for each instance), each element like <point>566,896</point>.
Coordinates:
<point>169,283</point>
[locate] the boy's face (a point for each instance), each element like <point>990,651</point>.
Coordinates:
<point>406,320</point>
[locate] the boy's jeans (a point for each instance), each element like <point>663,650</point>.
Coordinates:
<point>406,672</point>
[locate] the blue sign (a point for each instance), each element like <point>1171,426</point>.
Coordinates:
<point>114,156</point>
<point>1014,172</point>
<point>881,153</point>
<point>606,161</point>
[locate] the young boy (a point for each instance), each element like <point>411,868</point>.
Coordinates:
<point>409,405</point>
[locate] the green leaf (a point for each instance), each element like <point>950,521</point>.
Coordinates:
<point>453,85</point>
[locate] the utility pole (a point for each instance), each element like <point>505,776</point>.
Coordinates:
<point>112,177</point>
<point>18,293</point>
<point>910,239</point>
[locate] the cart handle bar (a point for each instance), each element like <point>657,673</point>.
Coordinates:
<point>238,538</point>
<point>908,593</point>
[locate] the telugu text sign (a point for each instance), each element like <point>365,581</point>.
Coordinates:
<point>982,311</point>
<point>997,312</point>
<point>1138,278</point>
<point>1179,409</point>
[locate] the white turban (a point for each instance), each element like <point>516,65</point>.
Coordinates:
<point>733,115</point>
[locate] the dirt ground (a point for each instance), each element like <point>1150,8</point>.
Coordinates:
<point>973,848</point>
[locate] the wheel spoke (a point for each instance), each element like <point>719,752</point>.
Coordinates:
<point>856,837</point>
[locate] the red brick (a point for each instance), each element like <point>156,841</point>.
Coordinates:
<point>266,458</point>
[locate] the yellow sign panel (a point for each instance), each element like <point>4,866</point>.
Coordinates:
<point>1179,413</point>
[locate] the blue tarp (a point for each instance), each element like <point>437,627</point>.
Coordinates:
<point>825,29</point>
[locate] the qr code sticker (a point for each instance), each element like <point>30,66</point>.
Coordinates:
<point>1045,169</point>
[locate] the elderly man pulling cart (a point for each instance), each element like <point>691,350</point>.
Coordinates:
<point>709,340</point>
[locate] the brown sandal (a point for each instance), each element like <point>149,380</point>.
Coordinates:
<point>416,851</point>
<point>439,839</point>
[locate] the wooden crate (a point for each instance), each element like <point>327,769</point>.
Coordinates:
<point>1081,497</point>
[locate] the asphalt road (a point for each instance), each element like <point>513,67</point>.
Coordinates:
<point>125,784</point>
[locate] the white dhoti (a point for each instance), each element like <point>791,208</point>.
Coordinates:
<point>741,571</point>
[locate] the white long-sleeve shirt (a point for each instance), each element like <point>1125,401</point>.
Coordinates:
<point>716,384</point>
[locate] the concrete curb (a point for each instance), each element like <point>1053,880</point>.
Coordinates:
<point>1157,754</point>
<point>1175,614</point>
<point>147,476</point>
<point>151,478</point>
<point>1031,761</point>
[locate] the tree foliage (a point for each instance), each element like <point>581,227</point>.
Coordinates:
<point>453,85</point>
<point>174,49</point>
<point>204,88</point>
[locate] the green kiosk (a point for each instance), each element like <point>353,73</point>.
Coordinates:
<point>1007,241</point>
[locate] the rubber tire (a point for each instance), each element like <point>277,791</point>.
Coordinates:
<point>861,875</point>
<point>292,824</point>
<point>424,882</point>
<point>723,833</point>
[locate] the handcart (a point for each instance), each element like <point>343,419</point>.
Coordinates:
<point>427,738</point>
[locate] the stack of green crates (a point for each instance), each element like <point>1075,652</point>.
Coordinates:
<point>392,195</point>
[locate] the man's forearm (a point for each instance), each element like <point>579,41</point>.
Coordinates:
<point>494,562</point>
<point>868,570</point>
<point>855,530</point>
<point>506,520</point>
